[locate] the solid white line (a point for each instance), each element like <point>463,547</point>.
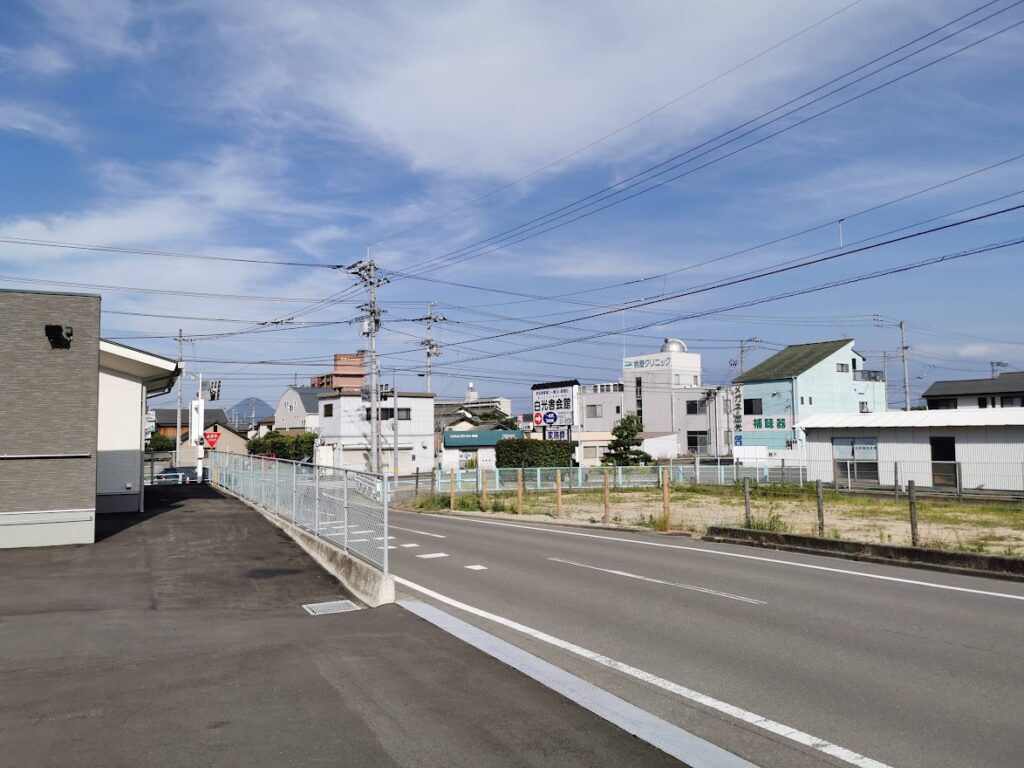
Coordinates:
<point>410,545</point>
<point>421,533</point>
<point>669,738</point>
<point>743,715</point>
<point>721,553</point>
<point>357,541</point>
<point>361,533</point>
<point>432,555</point>
<point>476,567</point>
<point>637,576</point>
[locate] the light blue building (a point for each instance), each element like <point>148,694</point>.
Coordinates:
<point>800,381</point>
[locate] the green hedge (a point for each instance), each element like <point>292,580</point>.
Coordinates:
<point>293,447</point>
<point>534,453</point>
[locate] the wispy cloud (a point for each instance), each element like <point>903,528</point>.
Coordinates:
<point>22,118</point>
<point>34,59</point>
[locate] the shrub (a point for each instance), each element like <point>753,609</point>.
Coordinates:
<point>534,453</point>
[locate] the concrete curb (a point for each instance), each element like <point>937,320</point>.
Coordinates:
<point>367,583</point>
<point>541,519</point>
<point>962,563</point>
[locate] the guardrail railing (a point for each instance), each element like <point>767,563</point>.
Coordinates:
<point>345,507</point>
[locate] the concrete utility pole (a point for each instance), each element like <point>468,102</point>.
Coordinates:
<point>995,365</point>
<point>177,416</point>
<point>433,350</point>
<point>743,350</point>
<point>366,271</point>
<point>906,373</point>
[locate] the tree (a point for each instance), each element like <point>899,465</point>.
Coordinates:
<point>158,442</point>
<point>292,447</point>
<point>624,450</point>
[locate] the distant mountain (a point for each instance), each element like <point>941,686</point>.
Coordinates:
<point>242,411</point>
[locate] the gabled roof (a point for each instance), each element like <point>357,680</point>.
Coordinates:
<point>165,417</point>
<point>792,361</point>
<point>308,395</point>
<point>1004,383</point>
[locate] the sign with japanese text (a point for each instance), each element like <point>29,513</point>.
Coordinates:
<point>646,362</point>
<point>212,438</point>
<point>762,423</point>
<point>553,406</point>
<point>556,433</point>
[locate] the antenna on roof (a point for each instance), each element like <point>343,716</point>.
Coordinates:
<point>995,365</point>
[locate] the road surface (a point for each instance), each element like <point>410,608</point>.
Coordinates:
<point>787,660</point>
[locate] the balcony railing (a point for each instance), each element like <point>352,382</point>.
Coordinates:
<point>869,376</point>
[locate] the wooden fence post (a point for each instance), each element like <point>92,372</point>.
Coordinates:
<point>558,493</point>
<point>451,491</point>
<point>747,519</point>
<point>483,491</point>
<point>519,491</point>
<point>417,491</point>
<point>912,495</point>
<point>433,483</point>
<point>959,483</point>
<point>821,507</point>
<point>896,480</point>
<point>664,499</point>
<point>607,501</point>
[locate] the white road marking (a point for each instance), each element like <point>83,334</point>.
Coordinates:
<point>361,533</point>
<point>392,546</point>
<point>421,533</point>
<point>410,545</point>
<point>432,555</point>
<point>476,567</point>
<point>637,576</point>
<point>721,553</point>
<point>743,715</point>
<point>357,541</point>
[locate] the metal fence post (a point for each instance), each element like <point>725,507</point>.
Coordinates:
<point>821,507</point>
<point>316,500</point>
<point>912,495</point>
<point>483,491</point>
<point>344,506</point>
<point>664,499</point>
<point>849,481</point>
<point>384,495</point>
<point>959,483</point>
<point>696,470</point>
<point>579,476</point>
<point>433,482</point>
<point>417,491</point>
<point>607,501</point>
<point>295,482</point>
<point>896,480</point>
<point>451,491</point>
<point>747,520</point>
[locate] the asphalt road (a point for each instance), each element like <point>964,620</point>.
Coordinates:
<point>823,661</point>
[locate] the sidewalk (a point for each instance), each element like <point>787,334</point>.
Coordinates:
<point>178,639</point>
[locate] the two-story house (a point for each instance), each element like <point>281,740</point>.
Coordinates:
<point>1004,391</point>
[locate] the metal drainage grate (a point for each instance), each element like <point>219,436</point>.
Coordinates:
<point>335,606</point>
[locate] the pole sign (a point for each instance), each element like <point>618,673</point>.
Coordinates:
<point>553,406</point>
<point>212,438</point>
<point>556,433</point>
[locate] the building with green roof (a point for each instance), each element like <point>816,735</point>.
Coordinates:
<point>803,380</point>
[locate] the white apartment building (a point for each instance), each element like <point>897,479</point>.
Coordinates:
<point>407,432</point>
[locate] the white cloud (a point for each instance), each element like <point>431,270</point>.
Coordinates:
<point>496,89</point>
<point>112,28</point>
<point>35,59</point>
<point>22,118</point>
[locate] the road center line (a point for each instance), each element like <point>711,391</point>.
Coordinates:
<point>784,731</point>
<point>720,553</point>
<point>432,555</point>
<point>638,577</point>
<point>421,533</point>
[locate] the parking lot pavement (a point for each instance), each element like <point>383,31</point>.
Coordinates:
<point>179,639</point>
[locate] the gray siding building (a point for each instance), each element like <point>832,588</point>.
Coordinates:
<point>49,387</point>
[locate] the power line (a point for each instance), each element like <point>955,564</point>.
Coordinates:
<point>621,129</point>
<point>160,291</point>
<point>507,238</point>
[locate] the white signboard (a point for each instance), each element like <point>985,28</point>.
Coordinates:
<point>553,406</point>
<point>647,362</point>
<point>556,433</point>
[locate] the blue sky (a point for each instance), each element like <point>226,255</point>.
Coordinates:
<point>305,131</point>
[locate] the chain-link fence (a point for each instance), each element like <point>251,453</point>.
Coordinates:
<point>342,506</point>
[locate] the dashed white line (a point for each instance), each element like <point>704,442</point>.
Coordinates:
<point>741,556</point>
<point>432,555</point>
<point>421,533</point>
<point>743,715</point>
<point>476,567</point>
<point>409,546</point>
<point>638,577</point>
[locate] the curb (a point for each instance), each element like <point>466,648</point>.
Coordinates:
<point>541,519</point>
<point>905,558</point>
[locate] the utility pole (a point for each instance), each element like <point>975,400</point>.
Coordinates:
<point>995,365</point>
<point>906,373</point>
<point>394,416</point>
<point>433,350</point>
<point>177,416</point>
<point>885,376</point>
<point>366,271</point>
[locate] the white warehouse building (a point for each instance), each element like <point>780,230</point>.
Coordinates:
<point>977,449</point>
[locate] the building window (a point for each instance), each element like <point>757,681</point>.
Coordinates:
<point>404,414</point>
<point>639,397</point>
<point>853,362</point>
<point>856,458</point>
<point>801,399</point>
<point>943,404</point>
<point>696,380</point>
<point>590,452</point>
<point>810,401</point>
<point>676,379</point>
<point>697,442</point>
<point>983,402</point>
<point>1011,402</point>
<point>864,407</point>
<point>752,407</point>
<point>594,411</point>
<point>694,407</point>
<point>328,410</point>
<point>842,368</point>
<point>291,407</point>
<point>618,410</point>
